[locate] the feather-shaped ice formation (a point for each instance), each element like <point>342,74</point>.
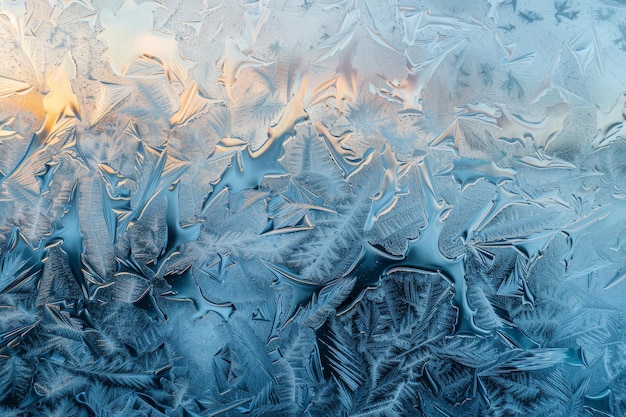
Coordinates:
<point>334,207</point>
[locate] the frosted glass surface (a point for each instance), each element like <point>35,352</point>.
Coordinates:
<point>312,208</point>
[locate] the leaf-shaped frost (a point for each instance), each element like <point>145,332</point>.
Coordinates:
<point>116,200</point>
<point>586,48</point>
<point>339,235</point>
<point>176,235</point>
<point>70,239</point>
<point>9,86</point>
<point>21,264</point>
<point>6,132</point>
<point>530,246</point>
<point>117,372</point>
<point>192,103</point>
<point>157,169</point>
<point>346,160</point>
<point>249,167</point>
<point>423,254</point>
<point>516,284</point>
<point>511,333</point>
<point>232,62</point>
<point>467,171</point>
<point>302,293</point>
<point>410,91</point>
<point>365,274</point>
<point>547,83</point>
<point>13,337</point>
<point>16,376</point>
<point>611,125</point>
<point>534,359</point>
<point>343,86</point>
<point>385,199</point>
<point>134,285</point>
<point>16,23</point>
<point>61,110</point>
<point>347,291</point>
<point>45,176</point>
<point>415,21</point>
<point>288,210</point>
<point>184,287</point>
<point>342,361</point>
<point>514,128</point>
<point>578,228</point>
<point>453,133</point>
<point>110,96</point>
<point>219,268</point>
<point>256,14</point>
<point>602,401</point>
<point>501,200</point>
<point>60,102</point>
<point>60,323</point>
<point>544,161</point>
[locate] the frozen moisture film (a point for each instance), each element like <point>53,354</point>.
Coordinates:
<point>312,208</point>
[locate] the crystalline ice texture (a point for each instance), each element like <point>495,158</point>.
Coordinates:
<point>307,208</point>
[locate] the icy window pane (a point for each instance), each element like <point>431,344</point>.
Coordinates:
<point>312,208</point>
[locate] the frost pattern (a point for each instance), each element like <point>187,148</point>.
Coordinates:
<point>300,208</point>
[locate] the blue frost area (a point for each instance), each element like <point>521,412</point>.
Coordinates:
<point>303,208</point>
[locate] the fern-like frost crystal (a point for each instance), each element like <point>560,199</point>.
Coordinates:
<point>312,208</point>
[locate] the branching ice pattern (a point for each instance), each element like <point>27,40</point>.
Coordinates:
<point>312,208</point>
